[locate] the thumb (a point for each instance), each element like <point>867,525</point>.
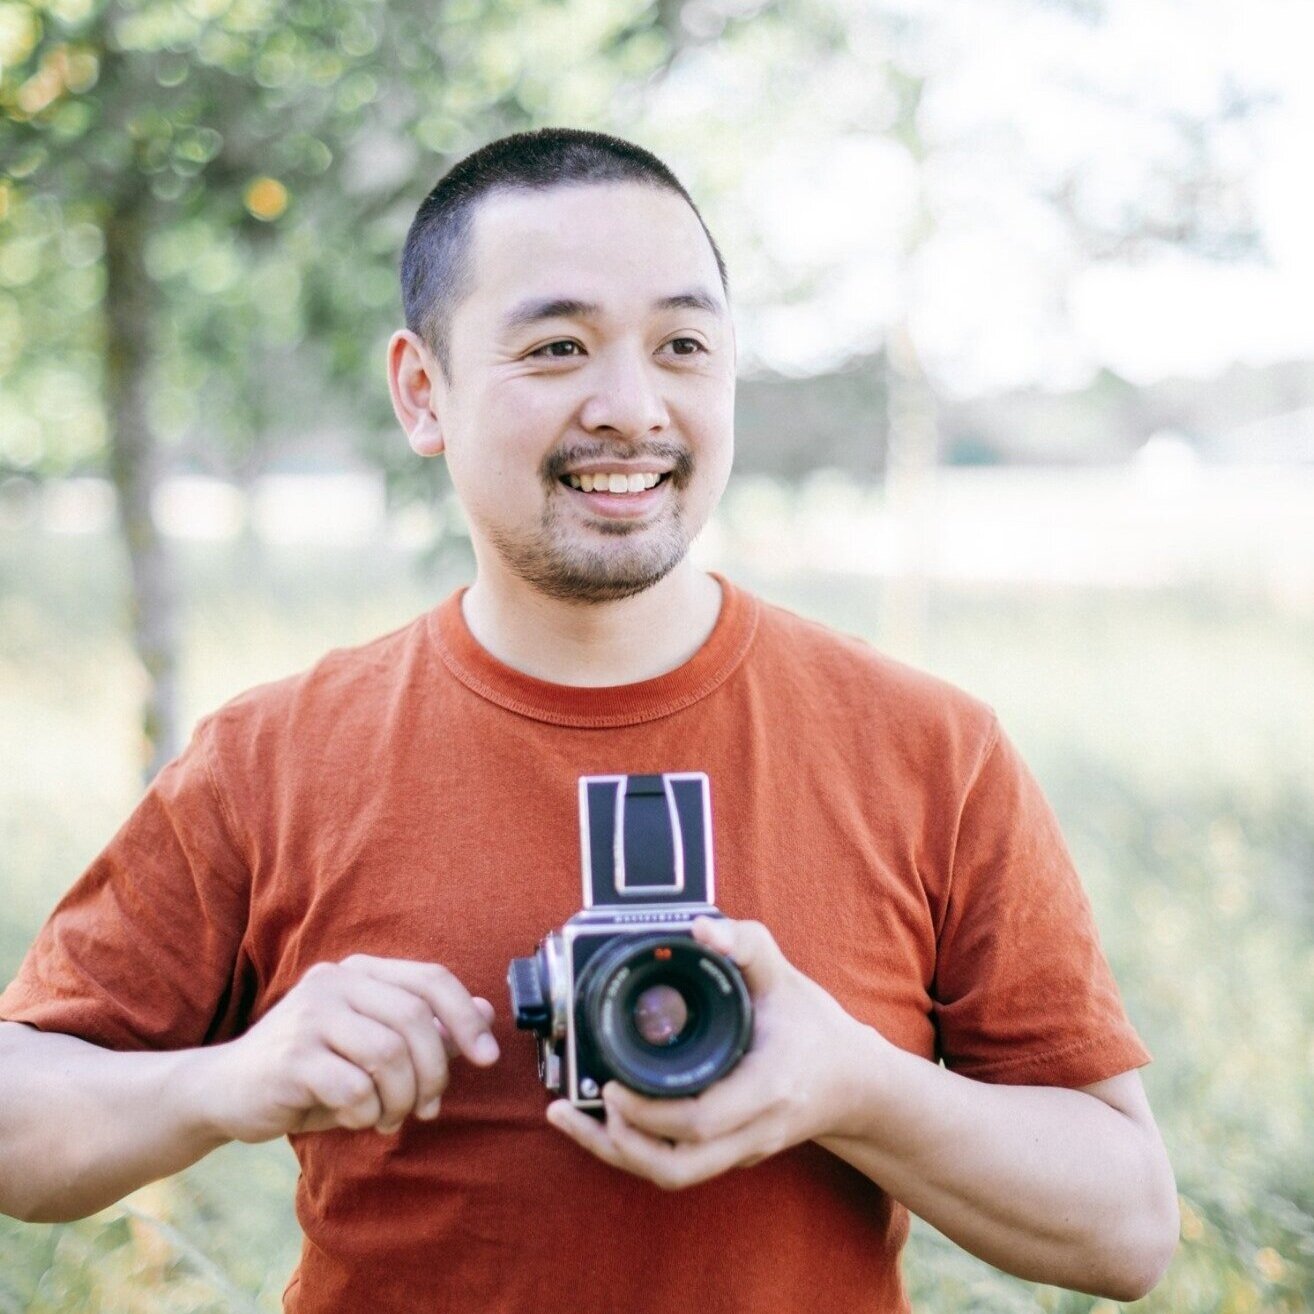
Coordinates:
<point>749,944</point>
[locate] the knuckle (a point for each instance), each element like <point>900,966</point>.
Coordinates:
<point>790,1102</point>
<point>416,1011</point>
<point>699,1128</point>
<point>299,1051</point>
<point>321,983</point>
<point>391,1048</point>
<point>357,1088</point>
<point>345,1092</point>
<point>306,997</point>
<point>285,1046</point>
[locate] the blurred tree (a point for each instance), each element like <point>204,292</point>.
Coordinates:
<point>204,201</point>
<point>202,209</point>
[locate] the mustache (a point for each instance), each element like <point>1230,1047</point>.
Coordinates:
<point>557,463</point>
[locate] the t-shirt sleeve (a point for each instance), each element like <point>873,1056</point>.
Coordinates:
<point>142,951</point>
<point>1022,993</point>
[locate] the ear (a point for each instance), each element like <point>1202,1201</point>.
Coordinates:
<point>417,386</point>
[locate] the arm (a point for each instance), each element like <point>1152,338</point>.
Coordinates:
<point>1064,1186</point>
<point>81,1126</point>
<point>362,1043</point>
<point>1070,1187</point>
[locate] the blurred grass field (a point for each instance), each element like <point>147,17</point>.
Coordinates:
<point>1172,729</point>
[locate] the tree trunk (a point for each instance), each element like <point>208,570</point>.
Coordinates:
<point>135,470</point>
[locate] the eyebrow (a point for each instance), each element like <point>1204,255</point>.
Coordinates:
<point>541,308</point>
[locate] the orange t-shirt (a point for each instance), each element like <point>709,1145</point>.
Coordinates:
<point>414,797</point>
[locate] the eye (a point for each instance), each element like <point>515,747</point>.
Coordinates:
<point>546,350</point>
<point>689,342</point>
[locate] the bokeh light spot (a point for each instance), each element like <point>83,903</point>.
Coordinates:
<point>266,198</point>
<point>1270,1264</point>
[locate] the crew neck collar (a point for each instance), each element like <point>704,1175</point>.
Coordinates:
<point>597,706</point>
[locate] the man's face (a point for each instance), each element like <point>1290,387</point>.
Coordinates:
<point>596,347</point>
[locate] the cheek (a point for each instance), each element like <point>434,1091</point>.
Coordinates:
<point>712,424</point>
<point>505,438</point>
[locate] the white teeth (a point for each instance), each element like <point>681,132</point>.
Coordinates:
<point>614,483</point>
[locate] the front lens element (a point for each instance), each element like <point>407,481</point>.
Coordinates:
<point>660,1015</point>
<point>664,1014</point>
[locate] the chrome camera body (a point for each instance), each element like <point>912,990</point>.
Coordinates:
<point>623,990</point>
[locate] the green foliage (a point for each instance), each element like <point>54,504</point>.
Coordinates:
<point>277,154</point>
<point>1170,730</point>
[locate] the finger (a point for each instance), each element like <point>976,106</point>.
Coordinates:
<point>722,1108</point>
<point>450,1045</point>
<point>451,1002</point>
<point>345,1090</point>
<point>750,945</point>
<point>383,1054</point>
<point>674,1166</point>
<point>583,1130</point>
<point>410,1015</point>
<point>716,933</point>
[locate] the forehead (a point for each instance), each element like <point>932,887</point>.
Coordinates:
<point>616,244</point>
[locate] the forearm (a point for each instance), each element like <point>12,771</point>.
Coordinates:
<point>1049,1184</point>
<point>82,1126</point>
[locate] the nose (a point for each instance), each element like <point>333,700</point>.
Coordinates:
<point>625,399</point>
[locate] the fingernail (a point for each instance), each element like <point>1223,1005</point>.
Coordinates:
<point>429,1109</point>
<point>486,1049</point>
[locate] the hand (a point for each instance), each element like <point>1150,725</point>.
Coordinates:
<point>360,1043</point>
<point>792,1086</point>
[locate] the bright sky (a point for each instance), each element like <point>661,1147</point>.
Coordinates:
<point>1023,95</point>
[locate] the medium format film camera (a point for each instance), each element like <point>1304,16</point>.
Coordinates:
<point>623,990</point>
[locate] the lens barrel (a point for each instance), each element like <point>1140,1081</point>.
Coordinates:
<point>665,1015</point>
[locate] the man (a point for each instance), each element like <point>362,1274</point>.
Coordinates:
<point>301,928</point>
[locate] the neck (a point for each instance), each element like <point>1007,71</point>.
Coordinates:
<point>593,644</point>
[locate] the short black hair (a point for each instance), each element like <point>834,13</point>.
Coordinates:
<point>436,271</point>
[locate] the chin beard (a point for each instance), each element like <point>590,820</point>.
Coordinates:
<point>571,572</point>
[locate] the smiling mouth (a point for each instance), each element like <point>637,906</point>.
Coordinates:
<point>615,485</point>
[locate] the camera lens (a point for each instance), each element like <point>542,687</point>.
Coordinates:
<point>662,1013</point>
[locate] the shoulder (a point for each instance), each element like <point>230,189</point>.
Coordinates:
<point>847,680</point>
<point>337,697</point>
